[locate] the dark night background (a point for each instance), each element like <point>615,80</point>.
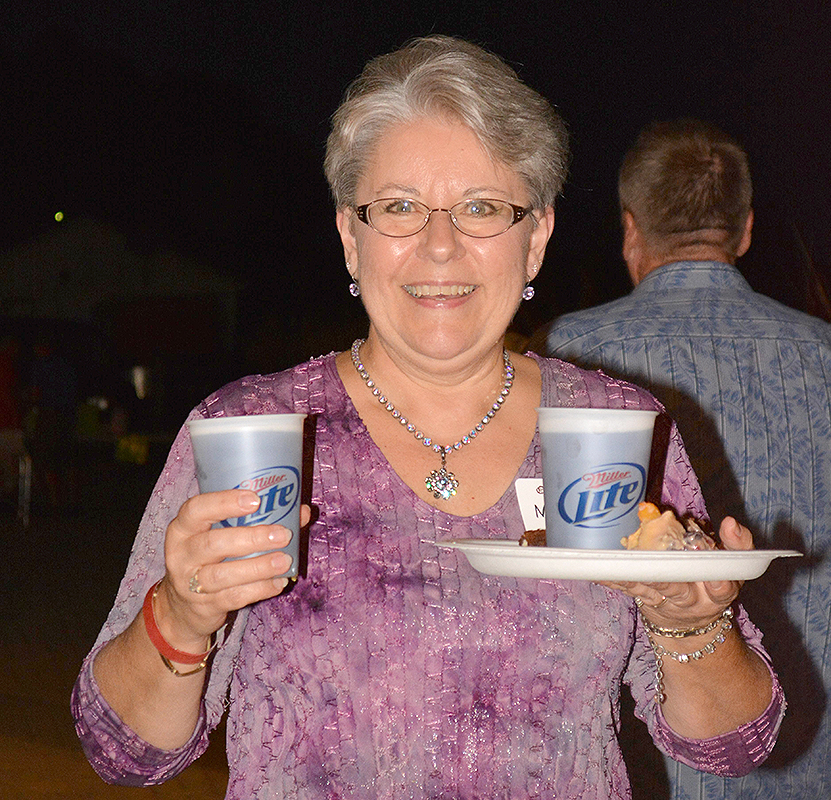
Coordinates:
<point>182,140</point>
<point>196,130</point>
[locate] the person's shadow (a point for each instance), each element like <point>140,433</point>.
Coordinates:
<point>764,599</point>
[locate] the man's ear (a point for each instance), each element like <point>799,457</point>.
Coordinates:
<point>632,248</point>
<point>744,244</point>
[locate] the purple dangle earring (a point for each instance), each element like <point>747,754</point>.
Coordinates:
<point>354,289</point>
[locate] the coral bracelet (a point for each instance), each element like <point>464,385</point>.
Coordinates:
<point>165,649</point>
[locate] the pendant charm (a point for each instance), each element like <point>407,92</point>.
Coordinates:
<point>441,483</point>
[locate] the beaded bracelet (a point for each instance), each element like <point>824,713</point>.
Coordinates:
<point>683,633</point>
<point>166,650</point>
<point>684,658</point>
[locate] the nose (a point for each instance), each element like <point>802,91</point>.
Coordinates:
<point>441,240</point>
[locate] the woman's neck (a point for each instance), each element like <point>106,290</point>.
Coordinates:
<point>442,393</point>
<point>445,412</point>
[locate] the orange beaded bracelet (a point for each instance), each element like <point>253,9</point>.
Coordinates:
<point>166,650</point>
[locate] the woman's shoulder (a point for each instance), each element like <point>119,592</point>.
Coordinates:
<point>566,384</point>
<point>309,387</point>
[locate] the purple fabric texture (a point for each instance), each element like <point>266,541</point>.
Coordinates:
<point>392,669</point>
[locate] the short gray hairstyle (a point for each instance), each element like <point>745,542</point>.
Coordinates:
<point>448,78</point>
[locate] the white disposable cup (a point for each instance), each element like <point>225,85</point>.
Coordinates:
<point>261,452</point>
<point>594,464</point>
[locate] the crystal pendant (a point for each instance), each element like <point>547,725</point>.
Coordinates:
<point>441,483</point>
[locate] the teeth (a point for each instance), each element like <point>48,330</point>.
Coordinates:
<point>429,290</point>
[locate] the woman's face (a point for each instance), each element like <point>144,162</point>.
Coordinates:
<point>439,293</point>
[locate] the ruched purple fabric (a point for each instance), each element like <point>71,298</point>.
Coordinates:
<point>392,669</point>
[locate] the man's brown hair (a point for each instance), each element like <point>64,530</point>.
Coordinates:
<point>686,183</point>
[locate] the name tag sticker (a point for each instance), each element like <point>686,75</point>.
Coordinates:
<point>531,502</point>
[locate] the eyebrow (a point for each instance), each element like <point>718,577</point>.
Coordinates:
<point>411,191</point>
<point>405,191</point>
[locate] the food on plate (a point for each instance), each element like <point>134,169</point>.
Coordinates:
<point>664,531</point>
<point>535,538</point>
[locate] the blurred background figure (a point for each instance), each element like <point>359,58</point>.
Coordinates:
<point>11,430</point>
<point>50,425</point>
<point>747,380</point>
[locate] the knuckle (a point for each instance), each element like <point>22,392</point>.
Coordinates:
<point>189,508</point>
<point>236,597</point>
<point>254,535</point>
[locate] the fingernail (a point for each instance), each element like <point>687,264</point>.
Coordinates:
<point>281,562</point>
<point>249,501</point>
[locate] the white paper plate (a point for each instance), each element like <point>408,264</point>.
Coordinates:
<point>499,557</point>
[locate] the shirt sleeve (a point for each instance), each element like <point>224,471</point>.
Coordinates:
<point>731,754</point>
<point>115,752</point>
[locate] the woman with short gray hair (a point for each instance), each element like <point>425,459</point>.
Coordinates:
<point>392,668</point>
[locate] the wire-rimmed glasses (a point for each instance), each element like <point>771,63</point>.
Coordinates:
<point>480,217</point>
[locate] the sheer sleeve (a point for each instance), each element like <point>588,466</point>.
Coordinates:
<point>729,755</point>
<point>114,750</point>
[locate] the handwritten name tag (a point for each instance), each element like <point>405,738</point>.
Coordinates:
<point>531,502</point>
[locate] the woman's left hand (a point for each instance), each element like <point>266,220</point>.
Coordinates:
<point>689,605</point>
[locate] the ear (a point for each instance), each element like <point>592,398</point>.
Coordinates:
<point>744,244</point>
<point>632,249</point>
<point>539,240</point>
<point>345,222</point>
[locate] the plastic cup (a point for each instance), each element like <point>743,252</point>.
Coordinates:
<point>594,464</point>
<point>261,452</point>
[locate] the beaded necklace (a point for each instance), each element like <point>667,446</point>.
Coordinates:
<point>440,483</point>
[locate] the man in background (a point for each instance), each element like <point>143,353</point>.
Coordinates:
<point>748,381</point>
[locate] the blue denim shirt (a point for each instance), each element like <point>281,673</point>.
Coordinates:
<point>748,380</point>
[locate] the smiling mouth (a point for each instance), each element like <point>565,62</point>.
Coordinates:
<point>430,290</point>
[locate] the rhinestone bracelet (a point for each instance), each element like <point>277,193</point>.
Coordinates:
<point>685,658</point>
<point>683,633</point>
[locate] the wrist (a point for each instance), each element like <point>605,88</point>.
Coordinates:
<point>158,632</point>
<point>684,633</point>
<point>180,636</point>
<point>695,644</point>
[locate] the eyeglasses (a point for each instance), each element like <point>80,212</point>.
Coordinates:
<point>481,217</point>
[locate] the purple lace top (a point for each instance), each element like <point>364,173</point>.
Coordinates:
<point>393,669</point>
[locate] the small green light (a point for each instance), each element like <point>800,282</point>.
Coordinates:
<point>59,216</point>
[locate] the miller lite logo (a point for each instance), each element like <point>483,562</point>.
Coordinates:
<point>279,491</point>
<point>600,497</point>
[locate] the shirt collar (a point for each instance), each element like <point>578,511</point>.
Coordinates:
<point>693,275</point>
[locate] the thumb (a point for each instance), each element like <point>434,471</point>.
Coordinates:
<point>735,536</point>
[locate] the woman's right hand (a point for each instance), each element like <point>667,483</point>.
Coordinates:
<point>195,555</point>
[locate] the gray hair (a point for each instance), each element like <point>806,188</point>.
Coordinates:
<point>448,78</point>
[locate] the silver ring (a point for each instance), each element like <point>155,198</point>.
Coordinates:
<point>196,587</point>
<point>639,602</point>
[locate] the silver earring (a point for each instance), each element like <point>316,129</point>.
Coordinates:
<point>354,289</point>
<point>527,292</point>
